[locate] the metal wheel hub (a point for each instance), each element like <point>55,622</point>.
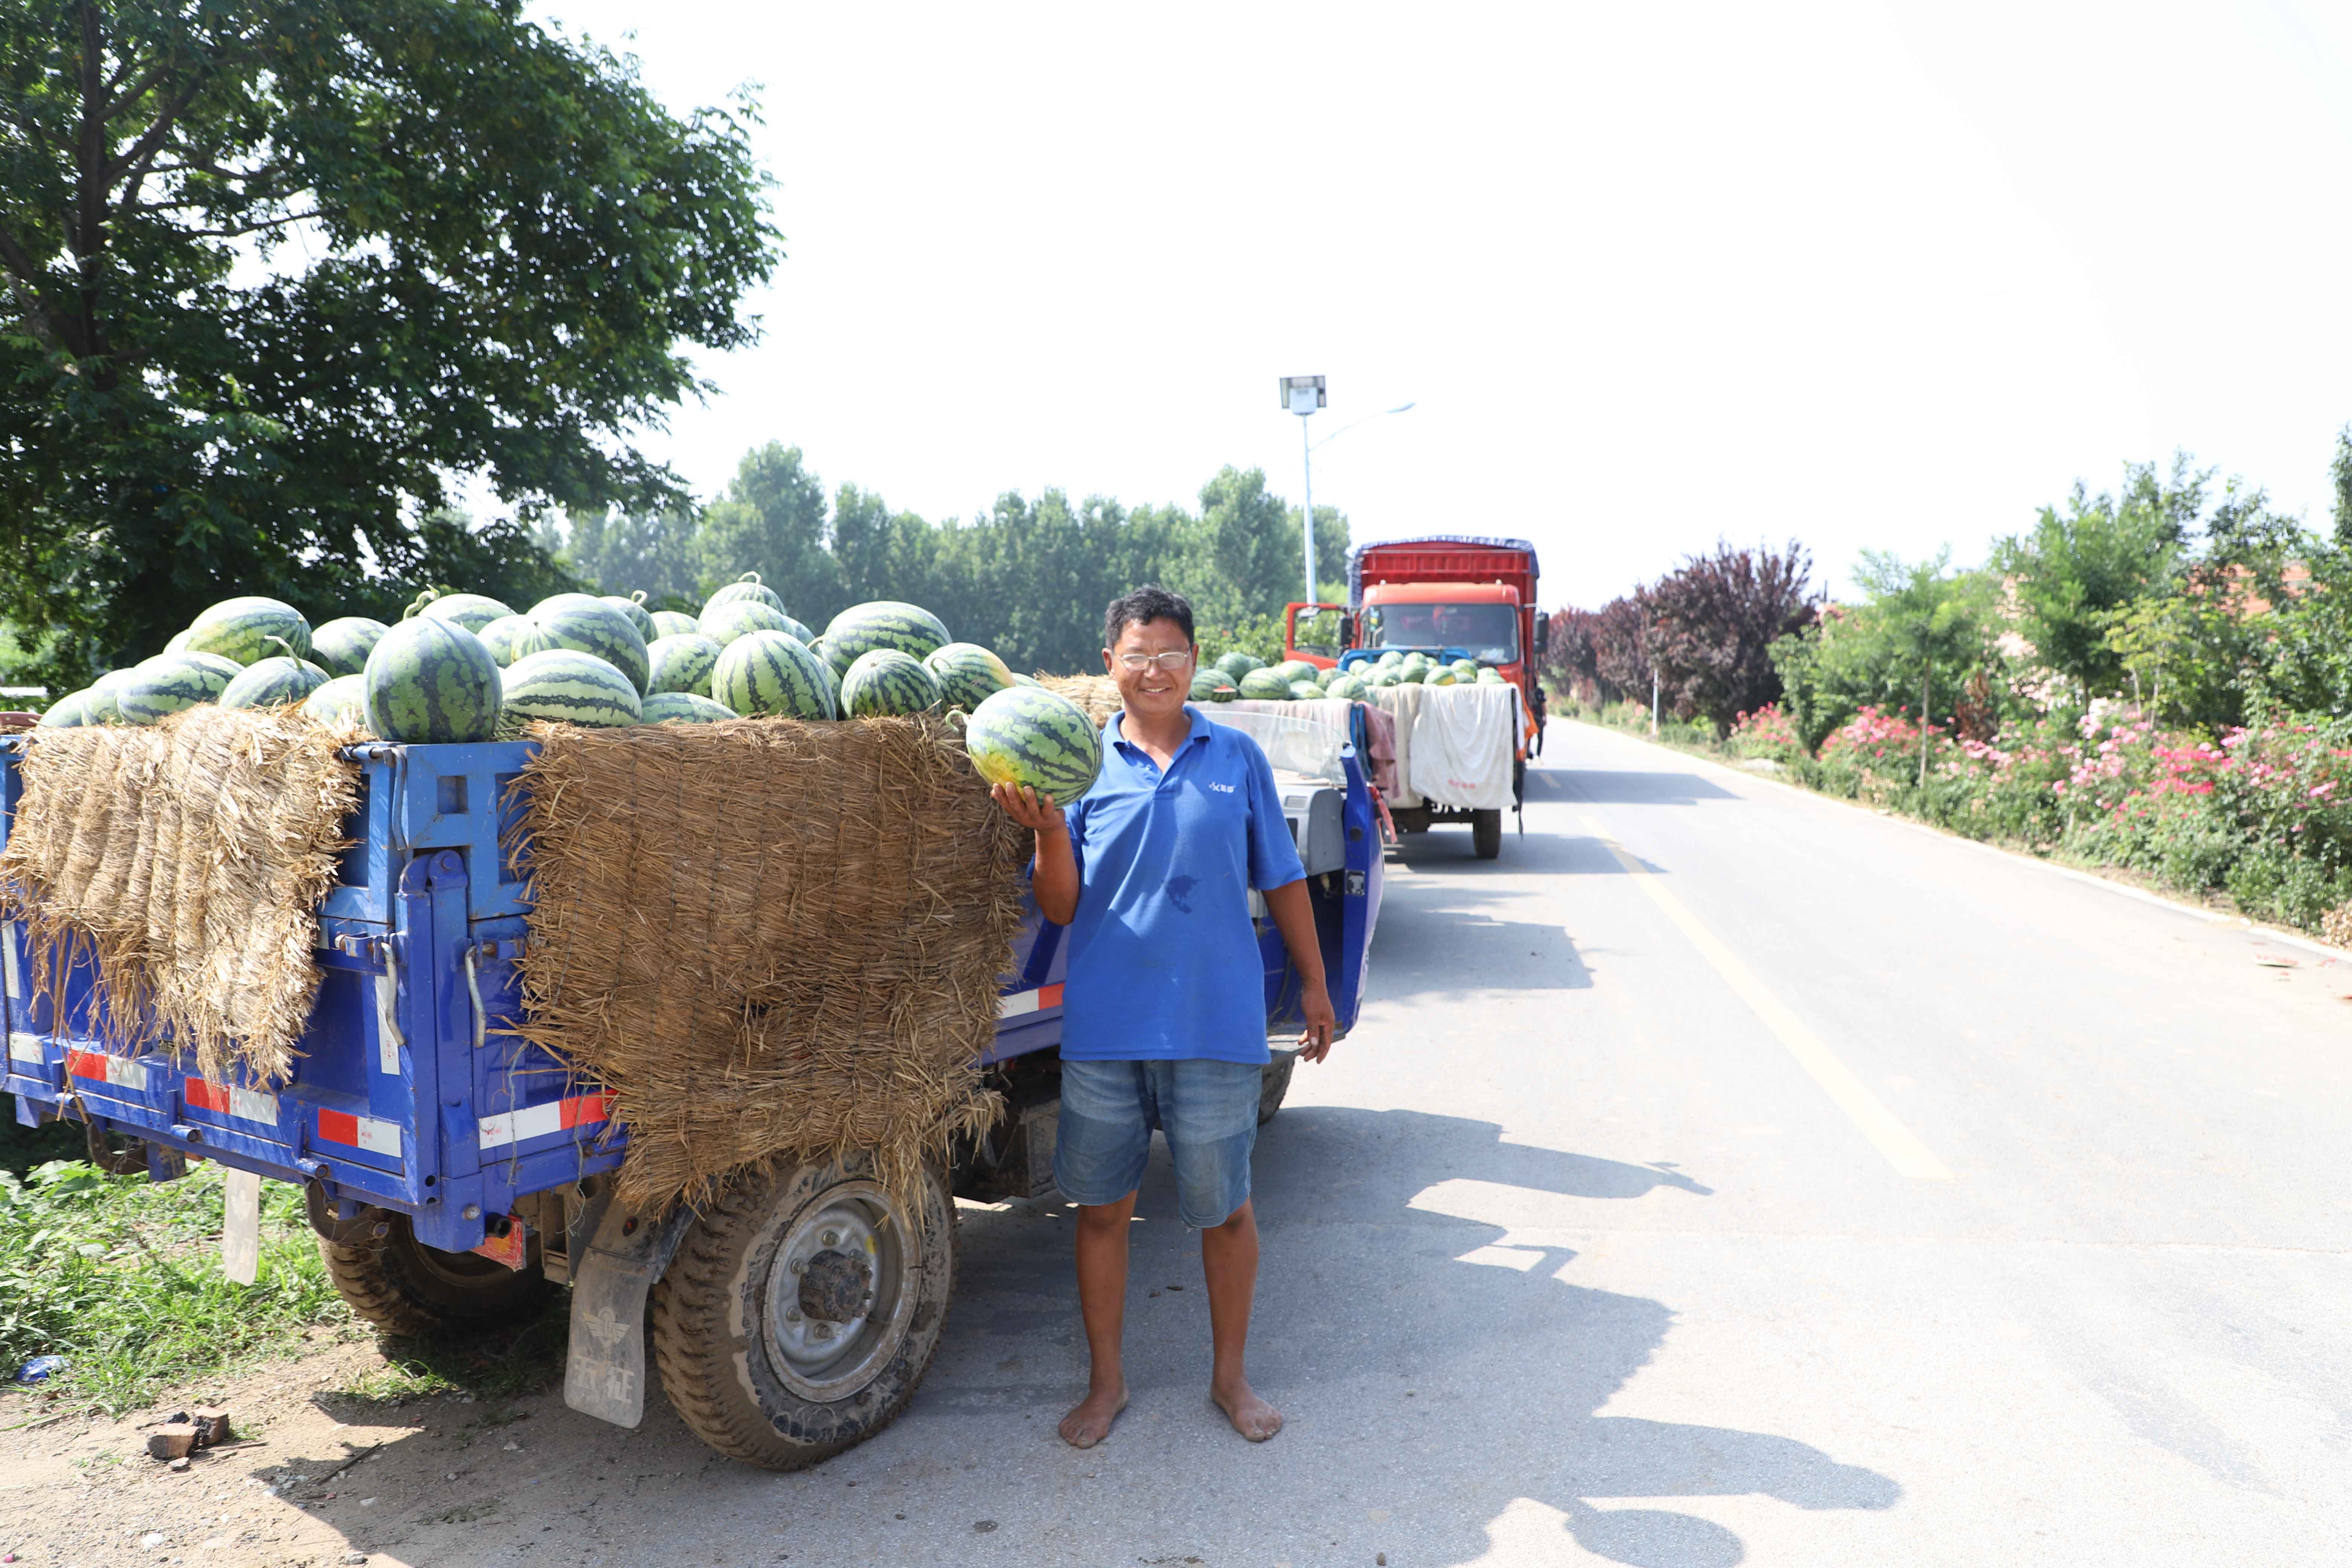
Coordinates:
<point>841,1291</point>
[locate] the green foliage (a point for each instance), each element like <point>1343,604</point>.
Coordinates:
<point>2079,567</point>
<point>122,1277</point>
<point>2339,473</point>
<point>1027,578</point>
<point>277,270</point>
<point>1710,625</point>
<point>1258,635</point>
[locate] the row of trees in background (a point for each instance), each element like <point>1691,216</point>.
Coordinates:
<point>1028,578</point>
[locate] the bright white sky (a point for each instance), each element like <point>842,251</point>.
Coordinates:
<point>1860,274</point>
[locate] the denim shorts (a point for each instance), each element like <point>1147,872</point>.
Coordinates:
<point>1207,1109</point>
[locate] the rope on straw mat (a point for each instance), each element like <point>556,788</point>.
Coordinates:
<point>769,939</point>
<point>187,860</point>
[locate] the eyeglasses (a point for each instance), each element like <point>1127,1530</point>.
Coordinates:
<point>1136,663</point>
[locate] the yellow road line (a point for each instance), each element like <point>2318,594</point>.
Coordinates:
<point>1897,1143</point>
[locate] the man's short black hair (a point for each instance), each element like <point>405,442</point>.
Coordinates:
<point>1148,603</point>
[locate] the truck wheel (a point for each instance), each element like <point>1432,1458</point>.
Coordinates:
<point>803,1309</point>
<point>403,1286</point>
<point>1486,834</point>
<point>1274,1084</point>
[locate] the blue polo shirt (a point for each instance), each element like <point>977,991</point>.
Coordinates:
<point>1164,961</point>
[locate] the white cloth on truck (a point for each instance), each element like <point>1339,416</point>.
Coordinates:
<point>1403,704</point>
<point>1454,744</point>
<point>1298,737</point>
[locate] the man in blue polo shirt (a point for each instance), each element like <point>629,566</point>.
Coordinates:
<point>1163,1012</point>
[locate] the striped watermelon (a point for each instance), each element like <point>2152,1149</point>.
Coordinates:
<point>570,687</point>
<point>342,646</point>
<point>767,675</point>
<point>1295,670</point>
<point>507,638</point>
<point>273,683</point>
<point>1304,692</point>
<point>431,680</point>
<point>832,681</point>
<point>673,624</point>
<point>179,640</point>
<point>747,586</point>
<point>634,607</point>
<point>169,682</point>
<point>68,712</point>
<point>683,708</point>
<point>342,701</point>
<point>968,674</point>
<point>1237,664</point>
<point>1350,687</point>
<point>886,682</point>
<point>885,623</point>
<point>724,623</point>
<point>800,634</point>
<point>1021,679</point>
<point>241,629</point>
<point>1265,686</point>
<point>1027,735</point>
<point>471,611</point>
<point>1204,685</point>
<point>100,703</point>
<point>682,663</point>
<point>586,624</point>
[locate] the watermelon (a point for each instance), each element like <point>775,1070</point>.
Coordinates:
<point>342,646</point>
<point>883,623</point>
<point>800,634</point>
<point>570,687</point>
<point>1204,686</point>
<point>471,611</point>
<point>683,708</point>
<point>507,638</point>
<point>682,664</point>
<point>1295,670</point>
<point>100,701</point>
<point>832,681</point>
<point>240,629</point>
<point>585,624</point>
<point>1409,674</point>
<point>68,712</point>
<point>634,607</point>
<point>1223,691</point>
<point>671,623</point>
<point>747,586</point>
<point>769,675</point>
<point>1391,658</point>
<point>342,701</point>
<point>1021,679</point>
<point>1350,687</point>
<point>730,620</point>
<point>169,682</point>
<point>1263,685</point>
<point>967,674</point>
<point>179,640</point>
<point>1326,675</point>
<point>1027,735</point>
<point>1440,675</point>
<point>1236,664</point>
<point>884,681</point>
<point>1489,675</point>
<point>430,680</point>
<point>273,683</point>
<point>1304,692</point>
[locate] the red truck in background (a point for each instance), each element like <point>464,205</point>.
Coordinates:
<point>1451,590</point>
<point>1465,595</point>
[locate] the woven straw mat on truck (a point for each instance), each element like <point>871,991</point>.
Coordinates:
<point>187,862</point>
<point>769,939</point>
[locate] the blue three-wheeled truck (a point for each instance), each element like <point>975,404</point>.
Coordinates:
<point>455,1173</point>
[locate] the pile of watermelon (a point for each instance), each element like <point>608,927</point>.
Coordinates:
<point>464,667</point>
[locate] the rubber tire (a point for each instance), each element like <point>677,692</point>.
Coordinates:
<point>403,1287</point>
<point>1274,1085</point>
<point>1486,834</point>
<point>708,1312</point>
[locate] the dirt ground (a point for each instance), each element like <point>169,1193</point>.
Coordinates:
<point>319,1476</point>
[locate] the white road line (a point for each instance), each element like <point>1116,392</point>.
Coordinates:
<point>1897,1143</point>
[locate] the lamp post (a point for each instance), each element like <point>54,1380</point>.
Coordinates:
<point>1303,395</point>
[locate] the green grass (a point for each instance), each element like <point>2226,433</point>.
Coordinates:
<point>493,1364</point>
<point>123,1277</point>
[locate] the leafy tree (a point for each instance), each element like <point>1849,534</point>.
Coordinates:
<point>1710,625</point>
<point>1921,631</point>
<point>2340,472</point>
<point>624,551</point>
<point>275,269</point>
<point>2081,566</point>
<point>1620,651</point>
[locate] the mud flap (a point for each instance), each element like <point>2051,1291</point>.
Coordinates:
<point>612,1274</point>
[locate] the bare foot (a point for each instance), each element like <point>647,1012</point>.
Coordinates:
<point>1252,1417</point>
<point>1089,1420</point>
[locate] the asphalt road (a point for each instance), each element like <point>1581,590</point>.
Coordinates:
<point>1722,1176</point>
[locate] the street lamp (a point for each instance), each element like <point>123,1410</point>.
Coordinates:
<point>1303,395</point>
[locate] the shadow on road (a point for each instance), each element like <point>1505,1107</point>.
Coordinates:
<point>1620,787</point>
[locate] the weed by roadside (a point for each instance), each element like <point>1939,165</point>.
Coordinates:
<point>122,1277</point>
